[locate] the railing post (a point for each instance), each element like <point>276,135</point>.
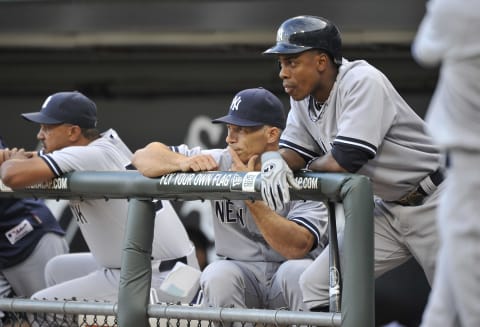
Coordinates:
<point>358,278</point>
<point>136,270</point>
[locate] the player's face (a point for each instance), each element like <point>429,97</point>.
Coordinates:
<point>54,137</point>
<point>247,141</point>
<point>299,74</point>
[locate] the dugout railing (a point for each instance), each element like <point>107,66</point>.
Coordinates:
<point>133,309</point>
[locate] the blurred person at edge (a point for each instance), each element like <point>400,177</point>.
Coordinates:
<point>29,237</point>
<point>448,35</point>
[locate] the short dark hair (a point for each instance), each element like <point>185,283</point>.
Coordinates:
<point>90,133</point>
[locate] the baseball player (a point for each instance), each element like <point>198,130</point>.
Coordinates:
<point>72,143</point>
<point>29,237</point>
<point>453,120</point>
<point>346,116</point>
<point>264,251</point>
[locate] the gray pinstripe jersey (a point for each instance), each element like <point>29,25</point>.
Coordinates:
<point>236,234</point>
<point>103,222</point>
<point>365,111</point>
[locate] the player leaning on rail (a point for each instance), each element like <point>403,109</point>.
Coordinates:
<point>71,142</point>
<point>346,116</point>
<point>264,250</point>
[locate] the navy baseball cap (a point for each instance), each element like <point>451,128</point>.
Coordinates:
<point>66,108</point>
<point>254,107</point>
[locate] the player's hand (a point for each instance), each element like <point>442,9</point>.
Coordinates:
<point>237,163</point>
<point>201,162</point>
<point>21,154</point>
<point>276,180</point>
<point>3,155</point>
<point>14,153</point>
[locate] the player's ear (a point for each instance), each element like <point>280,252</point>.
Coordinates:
<point>322,60</point>
<point>74,132</point>
<point>273,134</point>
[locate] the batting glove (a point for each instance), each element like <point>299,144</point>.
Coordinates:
<point>276,180</point>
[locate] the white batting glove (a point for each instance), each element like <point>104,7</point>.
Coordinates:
<point>276,180</point>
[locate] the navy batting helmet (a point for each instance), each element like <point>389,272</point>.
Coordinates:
<point>304,33</point>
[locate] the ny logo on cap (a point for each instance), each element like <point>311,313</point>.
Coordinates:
<point>46,102</point>
<point>235,103</point>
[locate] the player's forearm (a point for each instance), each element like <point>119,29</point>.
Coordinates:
<point>156,159</point>
<point>326,163</point>
<point>293,159</point>
<point>19,173</point>
<point>286,237</point>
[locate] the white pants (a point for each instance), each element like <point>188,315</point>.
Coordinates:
<point>400,232</point>
<point>79,276</point>
<point>27,277</point>
<point>455,296</point>
<point>241,284</point>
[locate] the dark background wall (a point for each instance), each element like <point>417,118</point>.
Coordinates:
<point>157,64</point>
<point>160,70</point>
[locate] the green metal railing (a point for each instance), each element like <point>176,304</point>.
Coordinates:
<point>353,191</point>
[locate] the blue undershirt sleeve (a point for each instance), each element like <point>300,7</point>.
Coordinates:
<point>350,157</point>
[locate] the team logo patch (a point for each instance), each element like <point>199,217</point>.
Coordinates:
<point>18,232</point>
<point>267,170</point>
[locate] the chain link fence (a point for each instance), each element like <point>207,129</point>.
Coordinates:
<point>37,313</point>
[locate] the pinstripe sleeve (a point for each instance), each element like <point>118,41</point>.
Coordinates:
<point>312,215</point>
<point>52,164</point>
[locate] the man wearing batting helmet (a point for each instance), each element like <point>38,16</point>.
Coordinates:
<point>255,241</point>
<point>72,143</point>
<point>346,116</point>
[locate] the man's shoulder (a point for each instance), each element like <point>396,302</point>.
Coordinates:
<point>356,67</point>
<point>359,71</point>
<point>101,152</point>
<point>111,139</point>
<point>110,133</point>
